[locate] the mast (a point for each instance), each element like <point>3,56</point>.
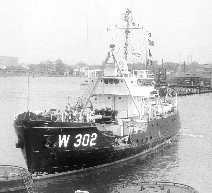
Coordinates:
<point>146,59</point>
<point>127,31</point>
<point>28,92</point>
<point>184,67</point>
<point>128,27</point>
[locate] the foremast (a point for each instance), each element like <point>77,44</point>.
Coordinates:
<point>129,26</point>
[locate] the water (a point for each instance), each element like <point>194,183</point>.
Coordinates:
<point>189,161</point>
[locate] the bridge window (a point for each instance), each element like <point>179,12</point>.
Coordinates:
<point>111,81</point>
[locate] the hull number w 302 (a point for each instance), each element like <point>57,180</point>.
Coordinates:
<point>80,140</point>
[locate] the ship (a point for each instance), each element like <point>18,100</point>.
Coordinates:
<point>123,117</point>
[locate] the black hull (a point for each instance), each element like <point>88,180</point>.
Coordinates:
<point>110,165</point>
<point>38,141</point>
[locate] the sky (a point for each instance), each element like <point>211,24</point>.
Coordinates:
<point>75,30</point>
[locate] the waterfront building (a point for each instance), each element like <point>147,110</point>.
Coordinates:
<point>8,61</point>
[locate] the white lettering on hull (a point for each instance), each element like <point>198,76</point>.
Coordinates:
<point>80,140</point>
<point>63,140</point>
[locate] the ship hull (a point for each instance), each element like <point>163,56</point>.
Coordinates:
<point>44,151</point>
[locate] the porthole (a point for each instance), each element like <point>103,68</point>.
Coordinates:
<point>109,97</point>
<point>95,99</point>
<point>119,98</point>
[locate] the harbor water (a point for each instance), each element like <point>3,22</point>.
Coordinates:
<point>188,161</point>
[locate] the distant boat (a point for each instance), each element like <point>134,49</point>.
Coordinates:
<point>123,118</point>
<point>85,83</point>
<point>159,187</point>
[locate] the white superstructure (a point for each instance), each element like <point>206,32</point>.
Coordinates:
<point>120,90</point>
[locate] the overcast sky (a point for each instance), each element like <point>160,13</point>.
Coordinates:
<point>75,30</point>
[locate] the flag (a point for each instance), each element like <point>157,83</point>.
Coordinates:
<point>149,62</point>
<point>150,54</point>
<point>151,43</point>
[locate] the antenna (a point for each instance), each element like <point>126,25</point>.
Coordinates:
<point>184,67</point>
<point>87,27</point>
<point>28,92</point>
<point>68,99</point>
